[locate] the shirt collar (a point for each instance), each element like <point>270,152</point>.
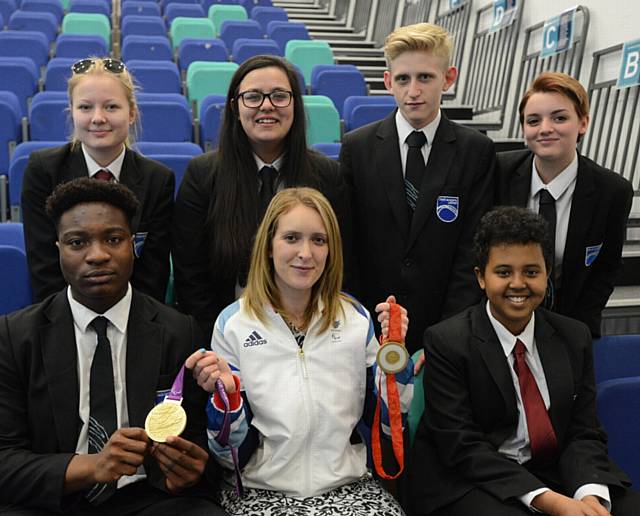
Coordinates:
<point>405,128</point>
<point>115,167</point>
<point>277,164</point>
<point>508,339</point>
<point>559,184</point>
<point>118,314</point>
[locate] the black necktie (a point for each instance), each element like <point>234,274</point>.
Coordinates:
<point>415,167</point>
<point>547,211</point>
<point>268,176</point>
<point>102,404</point>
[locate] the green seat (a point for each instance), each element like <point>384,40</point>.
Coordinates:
<point>182,27</point>
<point>88,24</point>
<point>208,78</point>
<point>323,121</point>
<point>65,5</point>
<point>317,99</point>
<point>417,403</point>
<point>220,13</point>
<point>169,297</point>
<point>307,53</point>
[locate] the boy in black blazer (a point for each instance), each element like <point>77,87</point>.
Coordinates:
<point>510,419</point>
<point>413,222</point>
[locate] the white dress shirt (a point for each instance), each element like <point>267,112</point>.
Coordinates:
<point>115,167</point>
<point>86,343</point>
<point>405,129</point>
<point>561,189</point>
<point>517,447</point>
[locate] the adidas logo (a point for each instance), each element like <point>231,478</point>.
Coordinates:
<point>255,339</point>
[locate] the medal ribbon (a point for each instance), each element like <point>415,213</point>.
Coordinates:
<point>223,436</point>
<point>393,402</point>
<point>176,388</point>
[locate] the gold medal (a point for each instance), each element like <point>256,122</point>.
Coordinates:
<point>165,419</point>
<point>392,357</point>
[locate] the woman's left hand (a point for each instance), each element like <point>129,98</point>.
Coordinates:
<point>383,311</point>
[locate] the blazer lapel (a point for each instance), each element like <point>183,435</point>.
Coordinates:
<point>520,183</point>
<point>74,165</point>
<point>388,167</point>
<point>582,203</point>
<point>59,357</point>
<point>556,365</point>
<point>144,357</point>
<point>133,178</point>
<point>494,358</point>
<point>440,158</point>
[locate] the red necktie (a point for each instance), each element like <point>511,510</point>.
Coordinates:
<point>541,435</point>
<point>104,175</point>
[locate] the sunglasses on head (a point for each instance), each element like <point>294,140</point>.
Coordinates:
<point>110,65</point>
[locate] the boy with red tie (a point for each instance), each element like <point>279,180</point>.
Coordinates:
<point>510,422</point>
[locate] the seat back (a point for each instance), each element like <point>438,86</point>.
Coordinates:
<point>232,30</point>
<point>193,49</point>
<point>88,24</point>
<point>616,356</point>
<point>618,403</point>
<point>143,25</point>
<point>219,13</point>
<point>79,46</point>
<point>282,32</point>
<point>154,116</point>
<point>141,7</point>
<point>205,78</point>
<point>148,48</point>
<point>43,22</point>
<point>337,82</point>
<point>12,233</point>
<point>174,10</point>
<point>23,43</point>
<point>360,110</point>
<point>323,122</point>
<point>14,278</point>
<point>245,48</point>
<point>57,73</point>
<point>19,75</point>
<point>48,116</point>
<point>331,150</point>
<point>211,111</point>
<point>46,6</point>
<point>263,15</point>
<point>90,6</point>
<point>197,28</point>
<point>307,54</point>
<point>10,115</point>
<point>7,7</point>
<point>156,76</point>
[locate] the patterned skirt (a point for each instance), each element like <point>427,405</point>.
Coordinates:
<point>365,497</point>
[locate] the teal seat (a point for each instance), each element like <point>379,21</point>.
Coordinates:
<point>219,13</point>
<point>323,122</point>
<point>317,99</point>
<point>307,53</point>
<point>208,78</point>
<point>417,403</point>
<point>90,24</point>
<point>199,28</point>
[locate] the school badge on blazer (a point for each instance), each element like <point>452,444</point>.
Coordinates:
<point>447,208</point>
<point>138,243</point>
<point>591,253</point>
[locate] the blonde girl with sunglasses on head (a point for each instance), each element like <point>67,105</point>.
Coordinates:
<point>104,116</point>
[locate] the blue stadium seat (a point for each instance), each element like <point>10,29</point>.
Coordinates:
<point>7,7</point>
<point>17,166</point>
<point>10,115</point>
<point>618,403</point>
<point>44,6</point>
<point>57,73</point>
<point>173,10</point>
<point>176,162</point>
<point>211,110</point>
<point>1,22</point>
<point>263,15</point>
<point>192,49</point>
<point>249,5</point>
<point>233,29</point>
<point>245,48</point>
<point>281,32</point>
<point>48,116</point>
<point>337,82</point>
<point>165,121</point>
<point>166,3</point>
<point>331,150</point>
<point>186,148</point>
<point>14,278</point>
<point>148,48</point>
<point>142,25</point>
<point>362,110</point>
<point>616,356</point>
<point>19,75</point>
<point>22,43</point>
<point>43,22</point>
<point>156,76</point>
<point>90,6</point>
<point>142,8</point>
<point>12,233</point>
<point>79,46</point>
<point>179,98</point>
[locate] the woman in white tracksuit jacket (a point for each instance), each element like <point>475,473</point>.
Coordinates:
<point>297,359</point>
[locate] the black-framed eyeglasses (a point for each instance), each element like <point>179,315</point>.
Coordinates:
<point>109,64</point>
<point>255,99</point>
